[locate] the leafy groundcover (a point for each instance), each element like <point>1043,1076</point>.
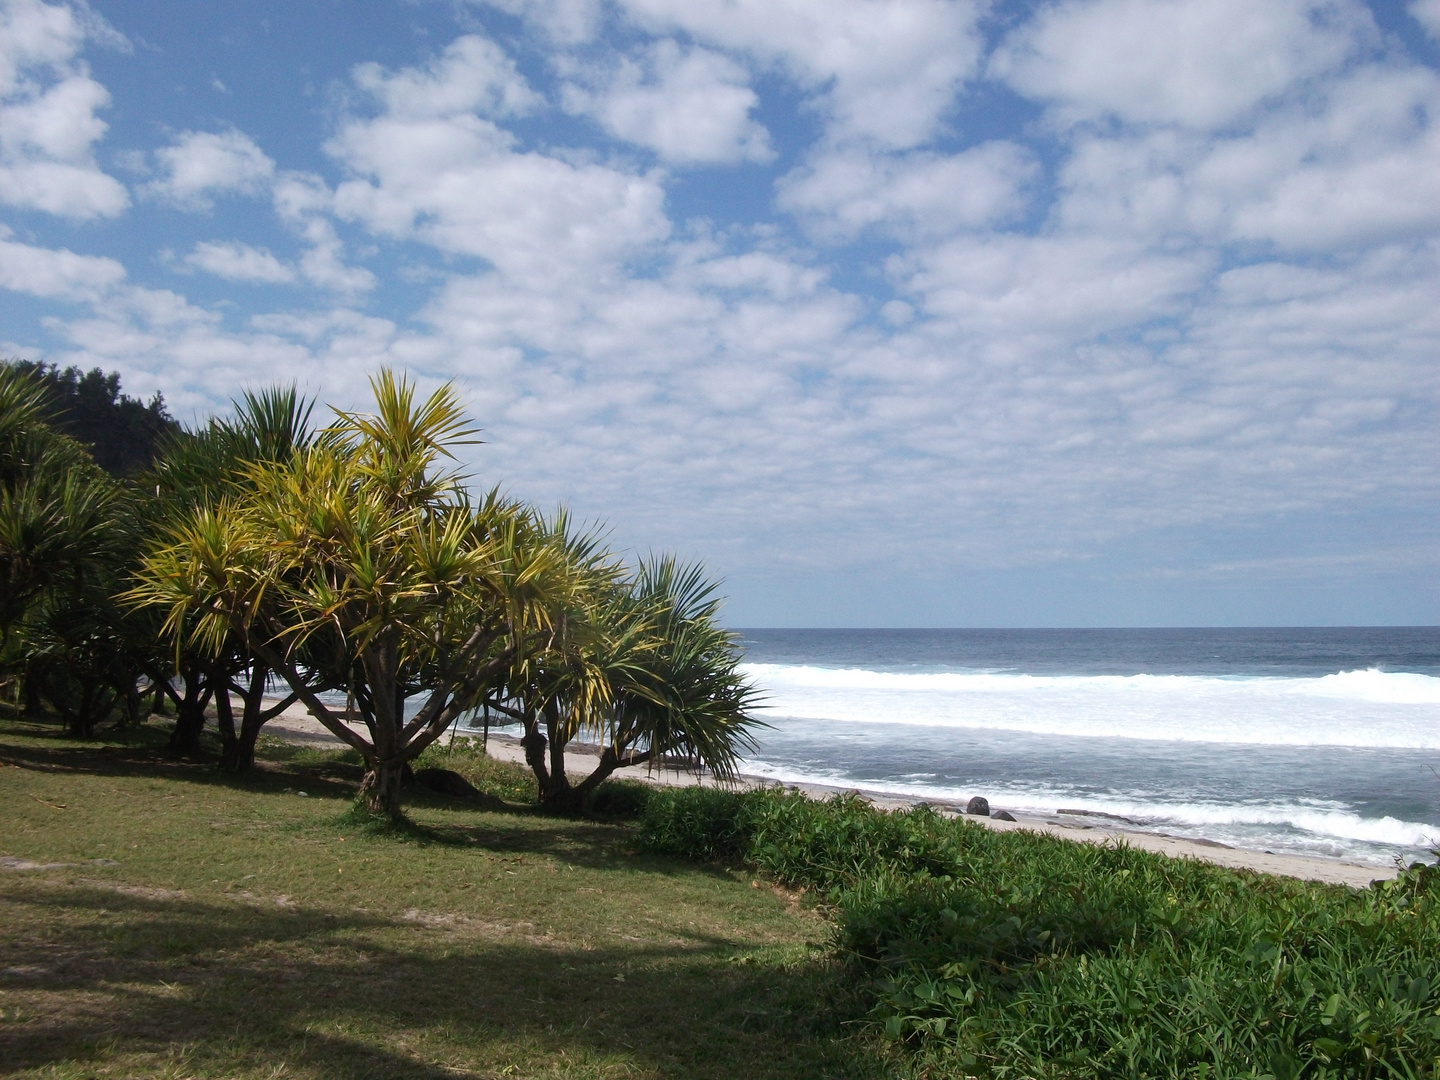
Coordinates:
<point>1015,954</point>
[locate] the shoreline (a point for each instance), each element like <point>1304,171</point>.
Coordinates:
<point>297,726</point>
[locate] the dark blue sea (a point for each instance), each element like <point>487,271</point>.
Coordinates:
<point>1315,741</point>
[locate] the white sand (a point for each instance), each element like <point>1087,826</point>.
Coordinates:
<point>296,725</point>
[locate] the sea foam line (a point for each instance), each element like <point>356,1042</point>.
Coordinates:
<point>1375,709</point>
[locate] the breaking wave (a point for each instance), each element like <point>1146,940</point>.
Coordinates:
<point>1367,708</point>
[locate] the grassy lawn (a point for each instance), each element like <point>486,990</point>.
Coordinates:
<point>160,919</point>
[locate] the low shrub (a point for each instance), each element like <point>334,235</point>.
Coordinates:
<point>504,779</point>
<point>1020,954</point>
<point>620,799</point>
<point>696,823</point>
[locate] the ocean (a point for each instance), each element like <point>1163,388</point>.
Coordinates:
<point>1311,741</point>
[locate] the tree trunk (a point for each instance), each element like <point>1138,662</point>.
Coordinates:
<point>250,724</point>
<point>534,744</point>
<point>239,755</point>
<point>133,700</point>
<point>190,717</point>
<point>94,705</point>
<point>381,786</point>
<point>33,704</point>
<point>558,792</point>
<point>547,762</point>
<point>225,722</point>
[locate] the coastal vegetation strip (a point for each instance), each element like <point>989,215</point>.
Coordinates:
<point>1019,954</point>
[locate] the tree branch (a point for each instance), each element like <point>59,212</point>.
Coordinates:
<point>318,709</point>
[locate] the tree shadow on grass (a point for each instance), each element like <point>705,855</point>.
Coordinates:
<point>357,995</point>
<point>434,818</point>
<point>520,829</point>
<point>144,752</point>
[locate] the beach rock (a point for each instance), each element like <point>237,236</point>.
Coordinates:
<point>979,806</point>
<point>1003,815</point>
<point>446,782</point>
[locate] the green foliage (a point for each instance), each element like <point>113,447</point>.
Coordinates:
<point>122,433</point>
<point>68,535</point>
<point>1017,954</point>
<point>638,663</point>
<point>503,779</point>
<point>620,799</point>
<point>697,822</point>
<point>359,561</point>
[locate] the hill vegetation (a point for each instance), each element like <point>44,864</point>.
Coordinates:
<point>123,434</point>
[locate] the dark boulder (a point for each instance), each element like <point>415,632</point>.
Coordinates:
<point>979,806</point>
<point>446,782</point>
<point>1003,815</point>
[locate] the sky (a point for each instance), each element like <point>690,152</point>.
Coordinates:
<point>892,312</point>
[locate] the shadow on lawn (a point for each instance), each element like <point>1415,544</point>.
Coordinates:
<point>143,753</point>
<point>358,995</point>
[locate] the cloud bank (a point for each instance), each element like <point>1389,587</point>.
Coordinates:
<point>851,290</point>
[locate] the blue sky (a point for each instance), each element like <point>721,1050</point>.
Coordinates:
<point>895,312</point>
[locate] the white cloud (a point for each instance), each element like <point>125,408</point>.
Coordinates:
<point>1200,63</point>
<point>48,112</point>
<point>914,196</point>
<point>302,201</point>
<point>201,164</point>
<point>473,74</point>
<point>159,341</point>
<point>564,22</point>
<point>300,195</point>
<point>1069,286</point>
<point>1357,171</point>
<point>55,274</point>
<point>1201,329</point>
<point>1350,166</point>
<point>1427,14</point>
<point>886,71</point>
<point>456,182</point>
<point>324,263</point>
<point>691,106</point>
<point>239,262</point>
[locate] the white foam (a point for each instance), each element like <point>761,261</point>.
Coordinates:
<point>1354,708</point>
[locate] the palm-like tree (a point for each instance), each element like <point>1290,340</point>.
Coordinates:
<point>643,668</point>
<point>361,564</point>
<point>195,472</point>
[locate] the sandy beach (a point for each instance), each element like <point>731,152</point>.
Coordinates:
<point>296,725</point>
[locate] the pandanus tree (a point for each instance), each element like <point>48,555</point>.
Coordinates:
<point>362,565</point>
<point>642,667</point>
<point>197,470</point>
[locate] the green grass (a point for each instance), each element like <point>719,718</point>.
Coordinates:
<point>1014,954</point>
<point>201,926</point>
